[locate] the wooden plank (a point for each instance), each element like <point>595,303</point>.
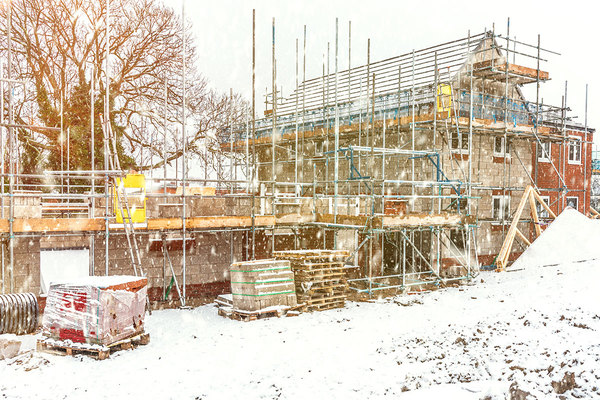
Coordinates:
<point>529,196</point>
<point>531,73</point>
<point>404,121</point>
<point>225,221</point>
<point>523,238</point>
<point>543,203</point>
<point>294,219</point>
<point>61,348</point>
<point>415,220</point>
<point>391,221</point>
<point>311,254</point>
<point>164,223</point>
<point>97,224</point>
<point>53,225</point>
<point>534,214</point>
<point>502,259</point>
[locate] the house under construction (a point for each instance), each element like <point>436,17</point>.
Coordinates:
<point>414,164</point>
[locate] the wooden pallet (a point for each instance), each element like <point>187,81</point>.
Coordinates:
<point>329,289</point>
<point>224,300</point>
<point>320,277</point>
<point>326,306</point>
<point>99,352</point>
<point>319,302</point>
<point>240,315</point>
<point>318,295</point>
<point>311,254</point>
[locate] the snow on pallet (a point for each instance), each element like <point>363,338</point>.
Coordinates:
<point>99,352</point>
<point>241,315</point>
<point>269,312</point>
<point>224,300</point>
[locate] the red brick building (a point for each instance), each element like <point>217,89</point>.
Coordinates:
<point>563,170</point>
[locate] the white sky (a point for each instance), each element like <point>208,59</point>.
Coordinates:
<point>223,32</point>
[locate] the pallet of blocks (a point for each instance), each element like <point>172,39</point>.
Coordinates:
<point>94,316</point>
<point>260,289</point>
<point>320,277</point>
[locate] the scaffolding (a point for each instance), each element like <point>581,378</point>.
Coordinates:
<point>382,159</point>
<point>401,131</point>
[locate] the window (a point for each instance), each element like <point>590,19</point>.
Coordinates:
<point>543,151</point>
<point>319,148</point>
<point>457,238</point>
<point>459,205</point>
<point>463,138</point>
<point>500,150</point>
<point>575,150</point>
<point>500,207</point>
<point>542,213</point>
<point>572,202</point>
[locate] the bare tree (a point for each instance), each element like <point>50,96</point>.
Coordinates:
<point>58,45</point>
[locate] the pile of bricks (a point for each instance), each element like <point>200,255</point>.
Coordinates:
<point>262,284</point>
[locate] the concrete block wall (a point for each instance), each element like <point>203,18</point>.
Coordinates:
<point>65,242</point>
<point>208,257</point>
<point>26,273</point>
<point>25,207</point>
<point>171,206</point>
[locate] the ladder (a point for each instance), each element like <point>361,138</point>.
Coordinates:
<point>110,147</point>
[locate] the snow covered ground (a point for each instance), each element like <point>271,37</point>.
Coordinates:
<point>529,326</point>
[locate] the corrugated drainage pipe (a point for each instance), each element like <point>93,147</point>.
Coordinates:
<point>18,313</point>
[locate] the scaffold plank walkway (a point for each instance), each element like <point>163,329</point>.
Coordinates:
<point>49,225</point>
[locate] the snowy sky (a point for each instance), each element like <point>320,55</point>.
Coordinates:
<point>223,31</point>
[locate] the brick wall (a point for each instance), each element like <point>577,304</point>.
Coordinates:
<point>577,175</point>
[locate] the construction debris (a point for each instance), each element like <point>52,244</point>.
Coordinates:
<point>9,347</point>
<point>320,277</point>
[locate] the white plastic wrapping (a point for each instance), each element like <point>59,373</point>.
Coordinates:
<point>94,312</point>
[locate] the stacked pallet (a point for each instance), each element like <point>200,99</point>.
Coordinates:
<point>262,286</point>
<point>320,277</point>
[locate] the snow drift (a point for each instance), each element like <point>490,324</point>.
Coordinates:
<point>570,238</point>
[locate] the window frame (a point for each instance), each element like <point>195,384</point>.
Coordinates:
<point>319,147</point>
<point>504,206</point>
<point>461,203</point>
<point>465,140</point>
<point>540,154</point>
<point>542,213</point>
<point>459,243</point>
<point>573,142</point>
<point>505,147</point>
<point>576,202</point>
